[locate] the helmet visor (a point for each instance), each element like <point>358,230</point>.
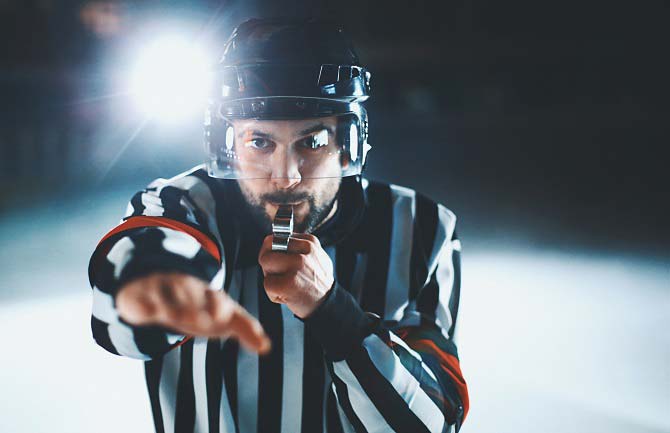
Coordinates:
<point>317,147</point>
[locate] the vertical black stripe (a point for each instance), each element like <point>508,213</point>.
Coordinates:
<point>383,395</point>
<point>230,350</point>
<point>423,239</point>
<point>185,406</point>
<point>171,200</point>
<point>101,335</point>
<point>378,226</point>
<point>270,367</point>
<point>333,422</point>
<point>152,374</point>
<point>224,219</point>
<point>101,270</point>
<point>455,296</point>
<point>312,385</point>
<point>345,404</point>
<point>345,263</point>
<point>151,340</point>
<point>214,378</point>
<point>429,298</point>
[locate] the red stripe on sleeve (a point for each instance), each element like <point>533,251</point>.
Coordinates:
<point>153,221</point>
<point>450,364</point>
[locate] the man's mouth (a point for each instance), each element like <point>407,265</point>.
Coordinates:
<point>294,203</point>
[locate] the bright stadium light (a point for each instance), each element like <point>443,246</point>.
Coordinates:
<point>170,79</point>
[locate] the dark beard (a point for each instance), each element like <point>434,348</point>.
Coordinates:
<point>315,216</point>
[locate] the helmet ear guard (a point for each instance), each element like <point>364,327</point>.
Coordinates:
<point>354,136</point>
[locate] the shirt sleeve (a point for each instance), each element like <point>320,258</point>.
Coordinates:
<point>403,375</point>
<point>163,229</point>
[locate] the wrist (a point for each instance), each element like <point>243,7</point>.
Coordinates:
<point>339,323</point>
<point>305,309</point>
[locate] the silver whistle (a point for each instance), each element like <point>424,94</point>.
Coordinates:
<point>282,228</point>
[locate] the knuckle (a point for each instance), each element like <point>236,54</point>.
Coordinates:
<point>262,259</point>
<point>309,248</point>
<point>301,261</point>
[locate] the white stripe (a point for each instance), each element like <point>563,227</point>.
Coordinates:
<point>404,383</point>
<point>180,243</point>
<point>173,338</point>
<point>411,318</point>
<point>200,385</point>
<point>167,389</point>
<point>445,279</point>
<point>218,279</point>
<point>347,427</point>
<point>445,230</point>
<point>130,209</point>
<point>226,421</point>
<point>372,420</point>
<point>120,334</point>
<point>103,307</point>
<point>120,254</point>
<point>414,354</point>
<point>202,197</point>
<point>247,362</point>
<point>153,205</point>
<point>397,284</point>
<point>293,342</point>
<point>327,383</point>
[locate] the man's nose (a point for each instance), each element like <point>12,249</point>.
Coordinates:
<point>285,171</point>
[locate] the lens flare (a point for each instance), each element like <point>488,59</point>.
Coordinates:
<point>170,79</point>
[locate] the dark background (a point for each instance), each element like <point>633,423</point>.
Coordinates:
<point>542,125</point>
<point>548,118</point>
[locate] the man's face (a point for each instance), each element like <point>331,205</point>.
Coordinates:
<point>294,162</point>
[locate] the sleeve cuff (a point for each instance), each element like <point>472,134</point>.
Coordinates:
<point>339,323</point>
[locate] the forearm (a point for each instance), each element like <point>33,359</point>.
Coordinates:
<point>136,253</point>
<point>381,382</point>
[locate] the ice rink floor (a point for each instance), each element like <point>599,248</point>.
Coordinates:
<point>549,341</point>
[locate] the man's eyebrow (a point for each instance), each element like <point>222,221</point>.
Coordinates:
<point>255,133</point>
<point>317,128</point>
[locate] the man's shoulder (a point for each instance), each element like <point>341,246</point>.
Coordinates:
<point>400,195</point>
<point>193,178</point>
<point>179,197</point>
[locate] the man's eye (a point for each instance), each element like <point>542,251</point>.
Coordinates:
<point>315,142</point>
<point>258,143</point>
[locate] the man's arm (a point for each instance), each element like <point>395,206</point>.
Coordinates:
<point>402,376</point>
<point>150,275</point>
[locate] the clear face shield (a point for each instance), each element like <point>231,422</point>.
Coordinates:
<point>285,138</point>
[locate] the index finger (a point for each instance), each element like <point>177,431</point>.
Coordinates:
<point>245,328</point>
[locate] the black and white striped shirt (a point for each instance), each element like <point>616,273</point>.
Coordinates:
<point>395,254</point>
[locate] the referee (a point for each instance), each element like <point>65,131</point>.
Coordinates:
<point>349,330</point>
